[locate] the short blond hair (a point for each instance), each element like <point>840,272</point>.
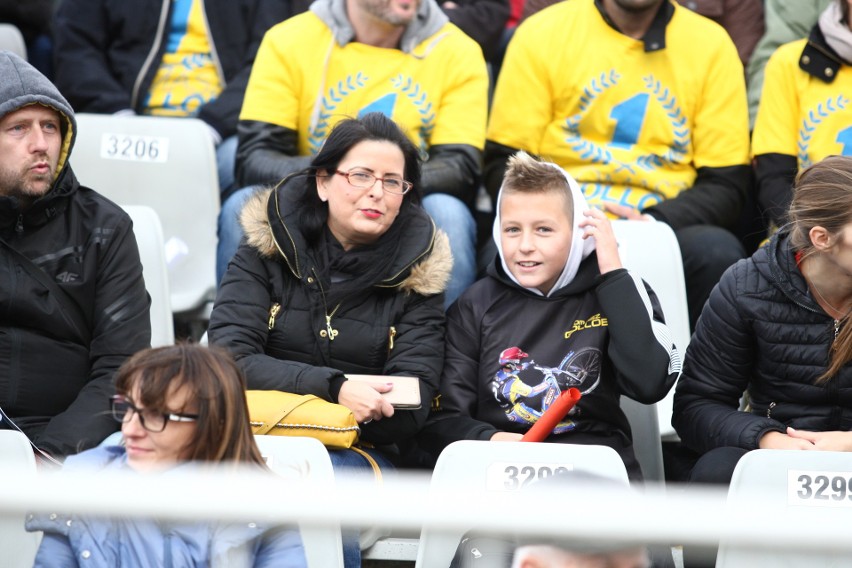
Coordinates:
<point>526,174</point>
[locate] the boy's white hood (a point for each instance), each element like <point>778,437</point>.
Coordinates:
<point>580,248</point>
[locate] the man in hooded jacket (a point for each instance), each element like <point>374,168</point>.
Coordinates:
<point>73,304</point>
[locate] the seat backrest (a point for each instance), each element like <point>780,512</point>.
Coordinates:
<point>647,444</point>
<point>149,238</point>
<point>813,488</point>
<point>651,251</point>
<point>306,459</point>
<point>18,546</point>
<point>12,40</point>
<point>168,164</point>
<point>497,468</point>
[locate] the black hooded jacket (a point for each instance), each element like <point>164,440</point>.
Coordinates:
<point>58,353</point>
<point>602,334</point>
<point>762,331</point>
<point>271,312</point>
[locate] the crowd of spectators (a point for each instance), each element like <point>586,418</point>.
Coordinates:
<point>366,147</point>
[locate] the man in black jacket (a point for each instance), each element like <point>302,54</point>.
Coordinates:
<point>165,58</point>
<point>73,304</point>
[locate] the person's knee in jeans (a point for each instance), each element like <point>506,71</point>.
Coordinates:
<point>229,229</point>
<point>453,217</point>
<point>226,158</point>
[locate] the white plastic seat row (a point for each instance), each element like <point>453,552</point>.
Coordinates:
<point>479,466</point>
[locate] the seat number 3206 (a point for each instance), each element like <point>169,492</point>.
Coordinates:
<point>134,148</point>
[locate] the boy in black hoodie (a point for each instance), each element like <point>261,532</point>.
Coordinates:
<point>556,311</point>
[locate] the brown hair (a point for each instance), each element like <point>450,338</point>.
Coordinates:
<point>215,383</point>
<point>822,197</point>
<point>525,174</point>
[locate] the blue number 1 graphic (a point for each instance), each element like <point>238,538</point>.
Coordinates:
<point>845,138</point>
<point>629,117</point>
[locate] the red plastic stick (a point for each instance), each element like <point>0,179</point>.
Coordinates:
<point>551,417</point>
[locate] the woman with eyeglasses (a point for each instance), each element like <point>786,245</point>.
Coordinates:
<point>341,271</point>
<point>177,404</point>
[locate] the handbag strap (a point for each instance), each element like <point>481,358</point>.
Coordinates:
<point>283,412</point>
<point>377,471</point>
<point>71,310</point>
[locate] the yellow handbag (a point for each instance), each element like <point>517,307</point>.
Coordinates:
<point>277,413</point>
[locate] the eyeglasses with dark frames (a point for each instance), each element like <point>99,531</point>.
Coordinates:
<point>153,421</point>
<point>363,179</point>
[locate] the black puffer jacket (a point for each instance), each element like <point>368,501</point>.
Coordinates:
<point>395,328</point>
<point>56,377</point>
<point>108,51</point>
<point>760,331</point>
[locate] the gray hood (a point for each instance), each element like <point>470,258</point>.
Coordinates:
<point>21,85</point>
<point>430,18</point>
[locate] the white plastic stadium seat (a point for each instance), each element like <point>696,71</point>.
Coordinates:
<point>168,164</point>
<point>645,427</point>
<point>651,251</point>
<point>12,40</point>
<point>498,468</point>
<point>17,546</point>
<point>814,488</point>
<point>149,237</point>
<point>307,459</point>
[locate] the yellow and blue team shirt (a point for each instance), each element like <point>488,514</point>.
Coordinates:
<point>632,127</point>
<point>305,81</point>
<point>801,115</point>
<point>188,77</point>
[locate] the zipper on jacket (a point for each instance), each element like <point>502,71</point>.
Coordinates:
<point>329,331</point>
<point>19,225</point>
<point>769,409</point>
<point>836,329</point>
<point>273,313</point>
<point>391,335</point>
<point>155,49</point>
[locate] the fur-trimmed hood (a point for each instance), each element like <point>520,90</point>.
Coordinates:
<point>423,268</point>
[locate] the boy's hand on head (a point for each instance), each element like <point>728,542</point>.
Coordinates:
<point>597,225</point>
<point>625,212</point>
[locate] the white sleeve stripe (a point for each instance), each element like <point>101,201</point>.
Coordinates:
<point>661,331</point>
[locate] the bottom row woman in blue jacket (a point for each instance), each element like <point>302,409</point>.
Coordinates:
<point>177,404</point>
